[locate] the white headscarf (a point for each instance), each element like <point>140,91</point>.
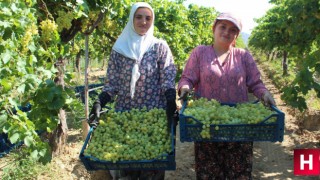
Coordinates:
<point>132,45</point>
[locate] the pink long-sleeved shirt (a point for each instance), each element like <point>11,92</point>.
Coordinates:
<point>227,83</point>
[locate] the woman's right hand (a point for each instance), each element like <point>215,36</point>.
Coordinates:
<point>94,115</point>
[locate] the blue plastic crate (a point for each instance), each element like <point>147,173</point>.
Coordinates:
<point>6,146</point>
<point>264,131</point>
<point>80,89</point>
<point>92,88</point>
<point>166,162</point>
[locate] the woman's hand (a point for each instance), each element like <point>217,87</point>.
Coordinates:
<point>184,93</point>
<point>94,115</point>
<point>267,99</point>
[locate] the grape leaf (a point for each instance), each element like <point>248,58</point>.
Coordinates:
<point>14,138</point>
<point>6,56</point>
<point>34,154</point>
<point>28,140</point>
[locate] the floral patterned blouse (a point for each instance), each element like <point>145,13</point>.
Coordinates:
<point>157,74</point>
<point>229,82</point>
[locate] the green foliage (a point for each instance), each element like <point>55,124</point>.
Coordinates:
<point>28,53</point>
<point>240,43</point>
<point>46,103</point>
<point>19,71</point>
<point>20,128</point>
<point>292,26</point>
<point>183,28</point>
<point>23,169</point>
<point>273,70</point>
<point>22,69</point>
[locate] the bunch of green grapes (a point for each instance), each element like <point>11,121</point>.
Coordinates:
<point>49,30</point>
<point>75,49</point>
<point>211,112</point>
<point>88,22</point>
<point>110,25</point>
<point>131,135</point>
<point>25,42</point>
<point>202,102</point>
<point>64,20</point>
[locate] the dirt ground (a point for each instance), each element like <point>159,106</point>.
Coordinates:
<point>271,160</point>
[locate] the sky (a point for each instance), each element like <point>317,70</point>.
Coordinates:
<point>247,10</point>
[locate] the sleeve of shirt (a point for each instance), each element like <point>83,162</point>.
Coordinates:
<point>167,67</point>
<point>253,79</point>
<point>112,83</point>
<point>191,73</point>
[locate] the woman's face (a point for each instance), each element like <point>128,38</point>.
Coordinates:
<point>225,32</point>
<point>142,20</point>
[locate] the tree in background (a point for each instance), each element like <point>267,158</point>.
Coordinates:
<point>291,27</point>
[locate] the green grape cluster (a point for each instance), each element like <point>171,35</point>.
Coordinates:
<point>75,49</point>
<point>90,20</point>
<point>25,42</point>
<point>48,30</point>
<point>64,20</point>
<point>212,113</point>
<point>131,135</point>
<point>110,25</point>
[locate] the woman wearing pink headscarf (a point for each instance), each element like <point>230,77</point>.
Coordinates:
<point>141,73</point>
<point>224,73</point>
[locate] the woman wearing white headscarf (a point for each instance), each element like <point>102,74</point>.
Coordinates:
<point>141,73</point>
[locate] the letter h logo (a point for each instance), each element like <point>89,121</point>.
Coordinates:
<point>306,162</point>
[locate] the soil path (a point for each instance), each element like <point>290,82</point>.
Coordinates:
<point>275,160</point>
